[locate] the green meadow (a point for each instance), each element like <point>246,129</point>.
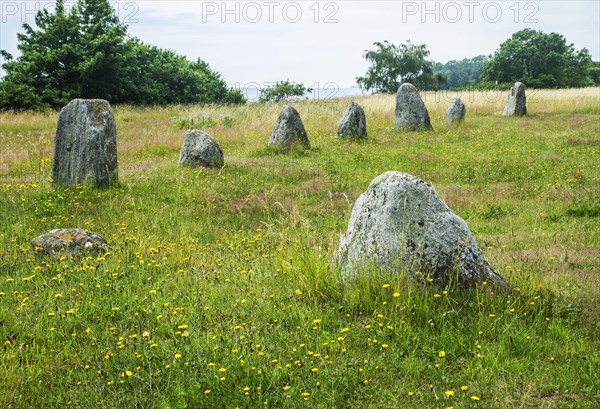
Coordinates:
<point>218,290</point>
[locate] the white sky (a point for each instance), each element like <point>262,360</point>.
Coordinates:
<point>319,42</point>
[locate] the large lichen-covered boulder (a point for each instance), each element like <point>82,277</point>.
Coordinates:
<point>200,149</point>
<point>411,113</point>
<point>400,226</point>
<point>456,111</point>
<point>70,242</point>
<point>289,130</point>
<point>353,124</point>
<point>85,146</point>
<point>516,103</point>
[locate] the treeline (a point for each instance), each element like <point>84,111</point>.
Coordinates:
<point>538,59</point>
<point>86,53</point>
<point>463,73</point>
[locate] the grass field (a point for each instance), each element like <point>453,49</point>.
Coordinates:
<point>218,292</point>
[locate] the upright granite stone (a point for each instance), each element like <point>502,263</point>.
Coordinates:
<point>200,149</point>
<point>400,225</point>
<point>411,113</point>
<point>455,112</point>
<point>353,124</point>
<point>70,242</point>
<point>516,103</point>
<point>85,146</point>
<point>289,130</point>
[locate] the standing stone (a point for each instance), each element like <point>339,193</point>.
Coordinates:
<point>70,242</point>
<point>353,124</point>
<point>401,225</point>
<point>85,146</point>
<point>456,111</point>
<point>411,113</point>
<point>516,103</point>
<point>200,149</point>
<point>289,130</point>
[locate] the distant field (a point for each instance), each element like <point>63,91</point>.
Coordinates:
<point>218,290</point>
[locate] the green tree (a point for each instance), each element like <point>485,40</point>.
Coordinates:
<point>461,73</point>
<point>160,77</point>
<point>282,91</point>
<point>85,53</point>
<point>594,72</point>
<point>539,60</point>
<point>391,65</point>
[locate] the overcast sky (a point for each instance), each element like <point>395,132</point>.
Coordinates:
<point>322,42</point>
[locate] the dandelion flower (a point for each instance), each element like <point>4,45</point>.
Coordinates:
<point>449,393</point>
<point>206,391</point>
<point>396,295</point>
<point>314,370</point>
<point>442,354</point>
<point>177,356</point>
<point>345,329</point>
<point>475,398</point>
<point>464,388</point>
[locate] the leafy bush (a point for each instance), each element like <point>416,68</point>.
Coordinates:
<point>283,91</point>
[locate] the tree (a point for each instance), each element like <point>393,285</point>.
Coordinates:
<point>539,60</point>
<point>282,91</point>
<point>461,73</point>
<point>391,65</point>
<point>594,72</point>
<point>85,53</point>
<point>67,55</point>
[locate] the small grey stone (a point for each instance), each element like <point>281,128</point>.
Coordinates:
<point>70,242</point>
<point>400,225</point>
<point>455,112</point>
<point>289,130</point>
<point>353,124</point>
<point>85,146</point>
<point>200,149</point>
<point>411,113</point>
<point>516,103</point>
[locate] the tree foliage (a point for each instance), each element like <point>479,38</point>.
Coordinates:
<point>282,91</point>
<point>594,72</point>
<point>85,53</point>
<point>539,60</point>
<point>461,73</point>
<point>391,65</point>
